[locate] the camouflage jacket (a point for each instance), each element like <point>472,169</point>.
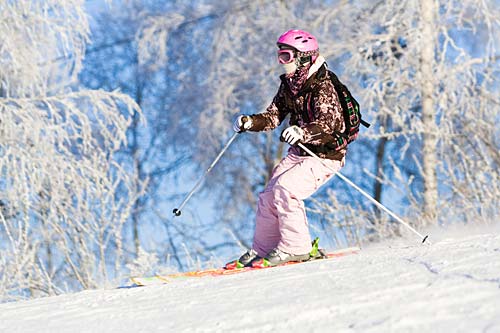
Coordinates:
<point>315,108</point>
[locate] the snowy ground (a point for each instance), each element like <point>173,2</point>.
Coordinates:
<point>452,285</point>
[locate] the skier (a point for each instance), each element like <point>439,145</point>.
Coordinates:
<point>309,97</point>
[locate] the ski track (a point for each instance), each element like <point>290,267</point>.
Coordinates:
<point>452,285</point>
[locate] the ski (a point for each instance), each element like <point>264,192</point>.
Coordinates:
<point>213,272</point>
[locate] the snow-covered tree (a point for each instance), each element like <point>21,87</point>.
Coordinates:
<point>422,78</point>
<point>431,80</point>
<point>63,198</point>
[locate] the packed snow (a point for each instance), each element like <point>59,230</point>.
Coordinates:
<point>449,285</point>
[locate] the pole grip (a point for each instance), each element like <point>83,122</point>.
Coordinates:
<point>244,119</point>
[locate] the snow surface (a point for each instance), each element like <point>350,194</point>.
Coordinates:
<point>451,285</point>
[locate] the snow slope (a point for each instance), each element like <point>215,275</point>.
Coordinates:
<point>452,285</point>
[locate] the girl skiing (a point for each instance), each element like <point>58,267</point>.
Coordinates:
<point>306,94</point>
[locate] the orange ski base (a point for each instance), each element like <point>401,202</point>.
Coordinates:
<point>162,279</point>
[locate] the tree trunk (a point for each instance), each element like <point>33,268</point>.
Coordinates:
<point>137,162</point>
<point>429,158</point>
<point>379,169</point>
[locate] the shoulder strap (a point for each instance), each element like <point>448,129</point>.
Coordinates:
<point>340,86</point>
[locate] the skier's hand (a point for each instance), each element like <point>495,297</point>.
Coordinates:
<point>242,123</point>
<point>292,135</point>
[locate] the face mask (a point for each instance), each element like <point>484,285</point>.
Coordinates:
<point>290,67</point>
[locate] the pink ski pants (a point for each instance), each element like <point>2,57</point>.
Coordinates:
<point>281,220</point>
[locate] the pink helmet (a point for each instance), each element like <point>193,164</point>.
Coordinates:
<point>300,40</point>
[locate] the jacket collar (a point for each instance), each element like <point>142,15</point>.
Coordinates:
<point>316,66</point>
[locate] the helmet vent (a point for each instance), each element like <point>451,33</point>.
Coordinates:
<point>298,37</point>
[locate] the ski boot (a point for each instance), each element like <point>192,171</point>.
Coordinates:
<point>277,257</point>
<point>245,260</point>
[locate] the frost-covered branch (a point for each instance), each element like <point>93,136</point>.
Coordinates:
<point>63,196</point>
<point>33,34</point>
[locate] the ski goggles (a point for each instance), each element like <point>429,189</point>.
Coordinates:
<point>286,56</point>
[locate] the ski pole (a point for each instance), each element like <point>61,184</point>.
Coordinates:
<point>378,204</point>
<point>178,211</point>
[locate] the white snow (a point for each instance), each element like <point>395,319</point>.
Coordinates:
<point>451,285</point>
